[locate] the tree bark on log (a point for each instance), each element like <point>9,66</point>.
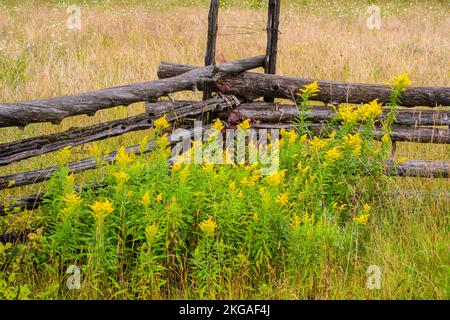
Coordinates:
<point>19,150</point>
<point>253,85</point>
<point>418,168</point>
<point>274,112</point>
<point>404,134</point>
<point>54,110</point>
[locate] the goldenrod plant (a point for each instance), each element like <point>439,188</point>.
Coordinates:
<point>188,230</point>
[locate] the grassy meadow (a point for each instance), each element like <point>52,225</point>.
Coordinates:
<point>225,232</point>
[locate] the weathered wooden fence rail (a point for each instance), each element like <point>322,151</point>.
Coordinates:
<point>271,112</point>
<point>27,148</point>
<point>253,85</point>
<point>236,100</point>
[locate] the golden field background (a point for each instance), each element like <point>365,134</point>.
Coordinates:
<point>124,43</point>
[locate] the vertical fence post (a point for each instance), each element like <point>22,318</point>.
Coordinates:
<point>273,21</point>
<point>210,58</point>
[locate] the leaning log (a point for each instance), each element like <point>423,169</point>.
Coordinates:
<point>274,112</point>
<point>27,148</point>
<point>254,85</point>
<point>54,110</point>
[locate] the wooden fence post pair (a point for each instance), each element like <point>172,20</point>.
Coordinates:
<point>273,22</point>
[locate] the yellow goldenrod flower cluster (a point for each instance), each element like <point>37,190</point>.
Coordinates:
<point>364,217</point>
<point>338,207</point>
<point>303,170</point>
<point>146,199</point>
<point>143,143</point>
<point>354,143</point>
<point>332,135</point>
<point>276,178</point>
<point>361,219</point>
<point>317,143</point>
<point>333,154</point>
<point>370,110</point>
<point>161,123</point>
<point>101,209</point>
<point>252,166</point>
<point>163,141</point>
<point>366,208</point>
<point>246,182</point>
<point>184,174</point>
<point>244,125</point>
<point>121,177</point>
<point>310,90</point>
<point>185,157</point>
<point>296,221</point>
<point>72,199</point>
<point>283,198</point>
<point>401,81</point>
<point>123,158</point>
<point>252,180</point>
<point>208,226</point>
<point>151,231</point>
<point>402,160</point>
<point>347,114</point>
<point>305,218</point>
<point>159,197</point>
<point>289,135</point>
<point>64,154</point>
<point>350,114</point>
<point>304,138</point>
<point>218,125</point>
<point>386,138</point>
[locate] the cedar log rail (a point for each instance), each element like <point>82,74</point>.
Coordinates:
<point>252,85</point>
